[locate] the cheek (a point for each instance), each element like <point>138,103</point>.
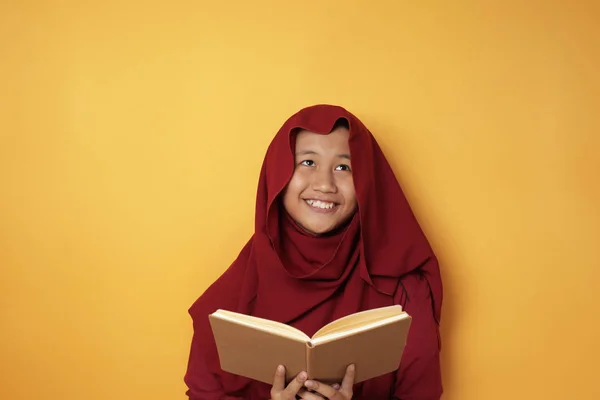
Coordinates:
<point>292,191</point>
<point>349,194</point>
<point>297,184</point>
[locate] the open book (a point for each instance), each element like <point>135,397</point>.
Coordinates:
<point>372,340</point>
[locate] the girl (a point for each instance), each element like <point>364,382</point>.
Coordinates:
<point>333,235</point>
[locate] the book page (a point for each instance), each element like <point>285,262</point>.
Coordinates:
<point>355,329</point>
<point>352,321</point>
<point>266,325</point>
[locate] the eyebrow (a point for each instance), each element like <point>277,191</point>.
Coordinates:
<point>311,153</point>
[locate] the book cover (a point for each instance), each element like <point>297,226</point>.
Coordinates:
<point>372,340</point>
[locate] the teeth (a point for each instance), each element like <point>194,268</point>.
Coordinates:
<point>320,204</point>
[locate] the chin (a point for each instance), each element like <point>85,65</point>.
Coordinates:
<point>319,230</point>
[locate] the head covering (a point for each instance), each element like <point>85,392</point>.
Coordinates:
<point>306,281</point>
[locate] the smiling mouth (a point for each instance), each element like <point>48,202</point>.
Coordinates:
<point>321,205</point>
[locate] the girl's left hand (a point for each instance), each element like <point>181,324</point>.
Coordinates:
<point>344,392</point>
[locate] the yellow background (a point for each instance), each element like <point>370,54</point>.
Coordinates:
<point>131,136</point>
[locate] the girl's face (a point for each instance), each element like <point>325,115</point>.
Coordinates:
<point>320,195</point>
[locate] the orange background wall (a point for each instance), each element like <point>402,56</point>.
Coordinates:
<point>131,137</point>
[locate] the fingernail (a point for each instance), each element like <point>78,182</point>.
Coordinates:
<point>302,376</point>
<point>351,367</point>
<point>309,384</point>
<point>280,368</point>
<point>336,386</point>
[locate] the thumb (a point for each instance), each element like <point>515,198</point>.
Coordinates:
<point>348,381</point>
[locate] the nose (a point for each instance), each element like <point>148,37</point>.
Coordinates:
<point>323,181</point>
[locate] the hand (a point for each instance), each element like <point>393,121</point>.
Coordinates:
<point>335,392</point>
<point>280,392</point>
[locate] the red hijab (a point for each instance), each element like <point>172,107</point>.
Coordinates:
<point>306,281</point>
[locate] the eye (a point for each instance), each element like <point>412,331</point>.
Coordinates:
<point>308,163</point>
<point>342,167</point>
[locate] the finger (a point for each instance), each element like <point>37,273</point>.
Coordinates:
<point>306,395</point>
<point>279,379</point>
<point>348,381</point>
<point>323,389</point>
<point>336,386</point>
<point>295,385</point>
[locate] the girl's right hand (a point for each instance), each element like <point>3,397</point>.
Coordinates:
<point>280,392</point>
